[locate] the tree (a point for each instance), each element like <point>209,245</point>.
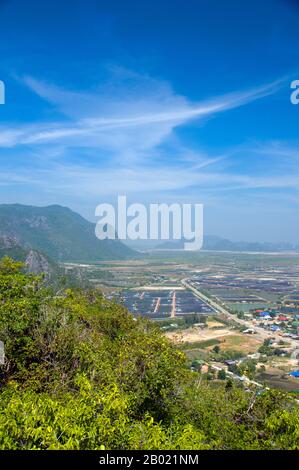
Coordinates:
<point>222,374</point>
<point>229,384</point>
<point>248,367</point>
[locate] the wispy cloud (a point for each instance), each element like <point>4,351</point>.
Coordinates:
<point>122,138</point>
<point>103,182</point>
<point>128,120</point>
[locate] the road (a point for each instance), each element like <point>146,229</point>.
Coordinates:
<point>260,332</point>
<point>242,378</point>
<point>173,305</point>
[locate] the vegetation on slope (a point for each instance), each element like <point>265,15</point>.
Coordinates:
<point>82,373</point>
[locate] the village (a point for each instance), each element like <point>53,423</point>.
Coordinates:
<point>243,305</point>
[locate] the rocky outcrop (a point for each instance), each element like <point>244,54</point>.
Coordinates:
<point>8,241</point>
<point>37,263</point>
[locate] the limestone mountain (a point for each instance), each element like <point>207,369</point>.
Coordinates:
<point>35,261</point>
<point>57,232</point>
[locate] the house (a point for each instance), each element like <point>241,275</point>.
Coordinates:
<point>248,315</point>
<point>230,362</point>
<point>295,373</point>
<point>265,315</point>
<point>274,312</point>
<point>274,328</point>
<point>268,317</point>
<point>282,318</point>
<point>249,331</point>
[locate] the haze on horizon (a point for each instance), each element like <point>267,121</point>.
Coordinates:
<point>177,102</point>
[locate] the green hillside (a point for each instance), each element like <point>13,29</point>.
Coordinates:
<point>81,373</point>
<point>59,233</point>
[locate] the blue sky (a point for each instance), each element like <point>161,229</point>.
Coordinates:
<point>172,101</point>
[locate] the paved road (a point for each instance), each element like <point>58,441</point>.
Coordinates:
<point>260,332</point>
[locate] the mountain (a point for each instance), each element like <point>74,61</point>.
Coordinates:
<point>34,261</point>
<point>214,243</point>
<point>57,232</point>
<point>222,244</point>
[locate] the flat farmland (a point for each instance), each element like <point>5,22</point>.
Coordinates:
<point>161,302</point>
<point>196,334</point>
<point>207,338</point>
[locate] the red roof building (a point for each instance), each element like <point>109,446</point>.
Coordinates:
<point>282,318</point>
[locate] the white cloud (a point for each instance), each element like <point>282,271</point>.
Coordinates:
<point>125,118</point>
<point>121,128</point>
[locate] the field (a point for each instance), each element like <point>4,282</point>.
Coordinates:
<point>275,378</point>
<point>206,338</point>
<point>152,287</point>
<point>163,302</point>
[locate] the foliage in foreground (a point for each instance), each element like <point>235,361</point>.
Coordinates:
<point>81,373</point>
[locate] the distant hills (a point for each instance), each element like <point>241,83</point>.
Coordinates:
<point>44,236</point>
<point>55,232</point>
<point>215,243</point>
